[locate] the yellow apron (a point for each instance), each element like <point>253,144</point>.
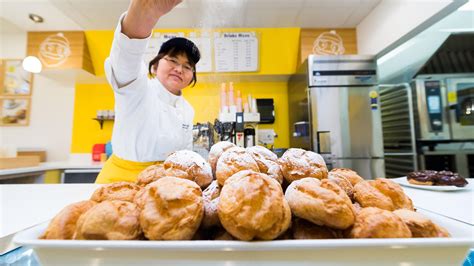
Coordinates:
<point>116,169</point>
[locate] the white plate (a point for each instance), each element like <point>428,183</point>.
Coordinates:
<point>410,251</point>
<point>404,182</point>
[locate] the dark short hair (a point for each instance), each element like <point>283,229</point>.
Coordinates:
<point>178,46</point>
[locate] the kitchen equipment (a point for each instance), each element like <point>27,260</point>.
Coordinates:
<point>398,128</point>
<point>430,109</point>
<point>79,176</point>
<point>338,97</point>
<point>224,130</point>
<point>460,92</point>
<point>266,109</point>
<point>231,127</point>
<point>427,124</point>
<point>249,137</point>
<point>444,122</point>
<point>203,138</point>
<point>239,129</point>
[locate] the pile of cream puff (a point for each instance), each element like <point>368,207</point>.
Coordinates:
<point>244,194</point>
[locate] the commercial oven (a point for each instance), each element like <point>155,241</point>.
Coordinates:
<point>445,108</point>
<point>444,122</point>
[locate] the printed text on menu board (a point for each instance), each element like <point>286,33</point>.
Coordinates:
<point>236,52</point>
<point>203,41</point>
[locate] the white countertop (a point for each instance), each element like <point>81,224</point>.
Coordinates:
<point>76,161</point>
<point>43,201</point>
<point>458,205</point>
<point>23,206</point>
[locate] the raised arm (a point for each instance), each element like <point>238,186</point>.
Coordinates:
<point>142,16</point>
<point>125,63</point>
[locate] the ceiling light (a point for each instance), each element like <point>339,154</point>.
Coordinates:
<point>32,64</point>
<point>35,18</point>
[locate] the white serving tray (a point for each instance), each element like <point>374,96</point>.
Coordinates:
<point>404,182</point>
<point>413,251</point>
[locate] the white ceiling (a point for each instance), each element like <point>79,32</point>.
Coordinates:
<point>103,14</point>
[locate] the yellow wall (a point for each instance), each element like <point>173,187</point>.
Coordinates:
<point>278,48</point>
<point>85,131</point>
<point>278,57</point>
<point>205,100</point>
<point>204,97</point>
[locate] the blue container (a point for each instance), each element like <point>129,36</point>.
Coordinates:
<point>108,149</point>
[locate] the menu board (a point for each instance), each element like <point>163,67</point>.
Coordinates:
<point>233,51</point>
<point>203,42</point>
<point>156,40</point>
<point>236,52</point>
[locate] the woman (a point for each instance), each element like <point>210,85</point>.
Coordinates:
<point>152,118</point>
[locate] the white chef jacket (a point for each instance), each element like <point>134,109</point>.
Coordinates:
<point>150,122</point>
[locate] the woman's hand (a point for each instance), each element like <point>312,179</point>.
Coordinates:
<point>142,16</point>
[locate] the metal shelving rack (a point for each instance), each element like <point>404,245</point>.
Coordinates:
<point>398,129</point>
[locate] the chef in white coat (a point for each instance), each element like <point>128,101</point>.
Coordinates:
<point>152,119</point>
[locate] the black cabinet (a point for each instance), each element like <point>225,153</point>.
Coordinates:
<point>78,176</point>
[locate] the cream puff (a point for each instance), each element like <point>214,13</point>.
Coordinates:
<point>321,202</point>
<point>297,164</point>
<point>188,165</point>
<point>252,206</point>
<point>173,209</point>
<point>232,161</point>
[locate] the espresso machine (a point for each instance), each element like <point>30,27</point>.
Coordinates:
<point>239,128</point>
<point>203,138</point>
<point>225,130</point>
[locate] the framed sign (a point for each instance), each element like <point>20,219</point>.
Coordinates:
<point>14,111</point>
<point>14,79</point>
<point>204,43</point>
<point>236,51</point>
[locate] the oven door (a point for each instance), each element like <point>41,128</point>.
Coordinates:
<point>461,108</point>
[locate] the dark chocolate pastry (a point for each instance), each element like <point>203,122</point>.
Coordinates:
<point>424,176</point>
<point>448,178</point>
<point>435,178</point>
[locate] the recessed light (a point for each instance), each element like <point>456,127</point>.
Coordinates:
<point>36,18</point>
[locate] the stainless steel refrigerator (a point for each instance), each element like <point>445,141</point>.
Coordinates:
<point>334,110</point>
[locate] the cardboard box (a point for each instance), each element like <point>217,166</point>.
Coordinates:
<point>40,154</point>
<point>20,161</point>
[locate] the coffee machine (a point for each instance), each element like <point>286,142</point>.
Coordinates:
<point>239,128</point>
<point>224,130</point>
<point>203,138</point>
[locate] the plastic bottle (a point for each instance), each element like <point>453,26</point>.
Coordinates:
<point>246,108</point>
<point>254,106</point>
<point>232,107</point>
<point>224,106</point>
<point>249,101</point>
<point>239,101</point>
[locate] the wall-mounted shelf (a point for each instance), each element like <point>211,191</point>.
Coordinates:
<point>102,120</point>
<point>248,117</point>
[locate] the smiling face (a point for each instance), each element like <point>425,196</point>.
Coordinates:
<point>174,72</point>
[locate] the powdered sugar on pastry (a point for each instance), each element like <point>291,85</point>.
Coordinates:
<point>232,161</point>
<point>188,165</point>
